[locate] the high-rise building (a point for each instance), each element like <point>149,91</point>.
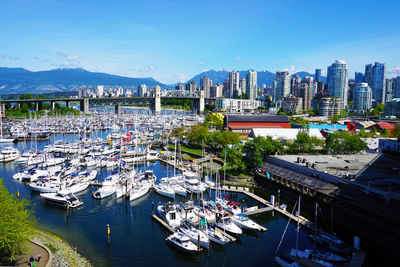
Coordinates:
<point>396,87</point>
<point>227,89</point>
<point>99,90</point>
<point>281,86</point>
<point>205,85</point>
<point>388,90</point>
<point>83,92</point>
<point>375,77</point>
<point>368,74</point>
<point>330,106</point>
<point>217,90</point>
<point>292,104</point>
<point>362,98</point>
<point>242,85</point>
<point>251,87</point>
<point>392,108</point>
<point>142,90</point>
<point>191,86</point>
<point>305,92</point>
<point>233,83</point>
<point>320,87</point>
<point>358,77</point>
<point>180,87</point>
<point>318,75</point>
<point>295,85</point>
<point>338,80</point>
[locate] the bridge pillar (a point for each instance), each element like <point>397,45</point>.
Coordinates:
<point>117,110</point>
<point>37,106</point>
<point>199,104</point>
<point>84,105</point>
<point>68,104</point>
<point>156,105</point>
<point>52,105</point>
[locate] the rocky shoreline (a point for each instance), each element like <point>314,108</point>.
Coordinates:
<point>63,254</point>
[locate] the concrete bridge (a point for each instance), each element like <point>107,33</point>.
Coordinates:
<point>154,102</point>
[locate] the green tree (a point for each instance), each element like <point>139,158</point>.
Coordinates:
<point>234,157</point>
<point>16,223</point>
<point>178,132</point>
<point>396,131</point>
<point>219,140</point>
<point>215,120</point>
<point>335,118</point>
<point>197,134</point>
<point>304,143</point>
<point>345,142</point>
<point>256,149</point>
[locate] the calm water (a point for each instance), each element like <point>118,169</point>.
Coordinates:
<point>138,240</point>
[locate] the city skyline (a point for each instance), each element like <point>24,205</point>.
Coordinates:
<point>164,40</point>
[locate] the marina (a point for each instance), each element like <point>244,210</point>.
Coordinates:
<point>113,177</point>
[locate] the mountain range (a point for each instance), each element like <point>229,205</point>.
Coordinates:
<point>20,81</point>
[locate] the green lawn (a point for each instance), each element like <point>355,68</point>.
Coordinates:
<point>188,149</point>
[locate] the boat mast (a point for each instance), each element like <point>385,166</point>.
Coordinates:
<point>298,225</point>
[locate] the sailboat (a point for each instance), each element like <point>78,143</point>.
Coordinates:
<point>2,139</point>
<point>308,257</point>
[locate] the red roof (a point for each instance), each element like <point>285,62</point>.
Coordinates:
<point>386,125</point>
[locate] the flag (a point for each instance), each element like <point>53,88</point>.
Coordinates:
<point>268,175</point>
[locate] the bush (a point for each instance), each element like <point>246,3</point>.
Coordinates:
<point>16,223</point>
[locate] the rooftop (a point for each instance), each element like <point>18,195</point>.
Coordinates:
<point>258,118</point>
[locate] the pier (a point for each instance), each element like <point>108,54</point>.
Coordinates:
<point>302,220</point>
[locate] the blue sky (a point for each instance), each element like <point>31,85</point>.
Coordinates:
<point>174,40</point>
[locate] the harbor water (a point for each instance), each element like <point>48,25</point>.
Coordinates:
<point>137,239</point>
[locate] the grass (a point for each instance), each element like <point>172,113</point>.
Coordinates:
<point>52,248</point>
<point>188,149</point>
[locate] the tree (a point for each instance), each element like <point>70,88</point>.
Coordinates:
<point>304,143</point>
<point>215,120</point>
<point>219,140</point>
<point>345,142</point>
<point>197,134</point>
<point>16,223</point>
<point>234,157</point>
<point>301,121</point>
<point>396,131</point>
<point>335,118</point>
<point>256,149</point>
<point>178,132</point>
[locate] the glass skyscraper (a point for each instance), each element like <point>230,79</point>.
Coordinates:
<point>281,86</point>
<point>376,80</point>
<point>318,75</point>
<point>362,98</point>
<point>358,77</point>
<point>251,88</point>
<point>338,76</point>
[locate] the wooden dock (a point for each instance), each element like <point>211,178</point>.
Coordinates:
<point>158,219</point>
<point>226,234</point>
<point>302,220</point>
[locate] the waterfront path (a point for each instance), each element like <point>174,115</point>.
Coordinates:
<point>33,249</point>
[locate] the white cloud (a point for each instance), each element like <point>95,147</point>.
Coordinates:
<point>73,57</point>
<point>291,69</point>
<point>149,68</point>
<point>182,77</point>
<point>393,72</point>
